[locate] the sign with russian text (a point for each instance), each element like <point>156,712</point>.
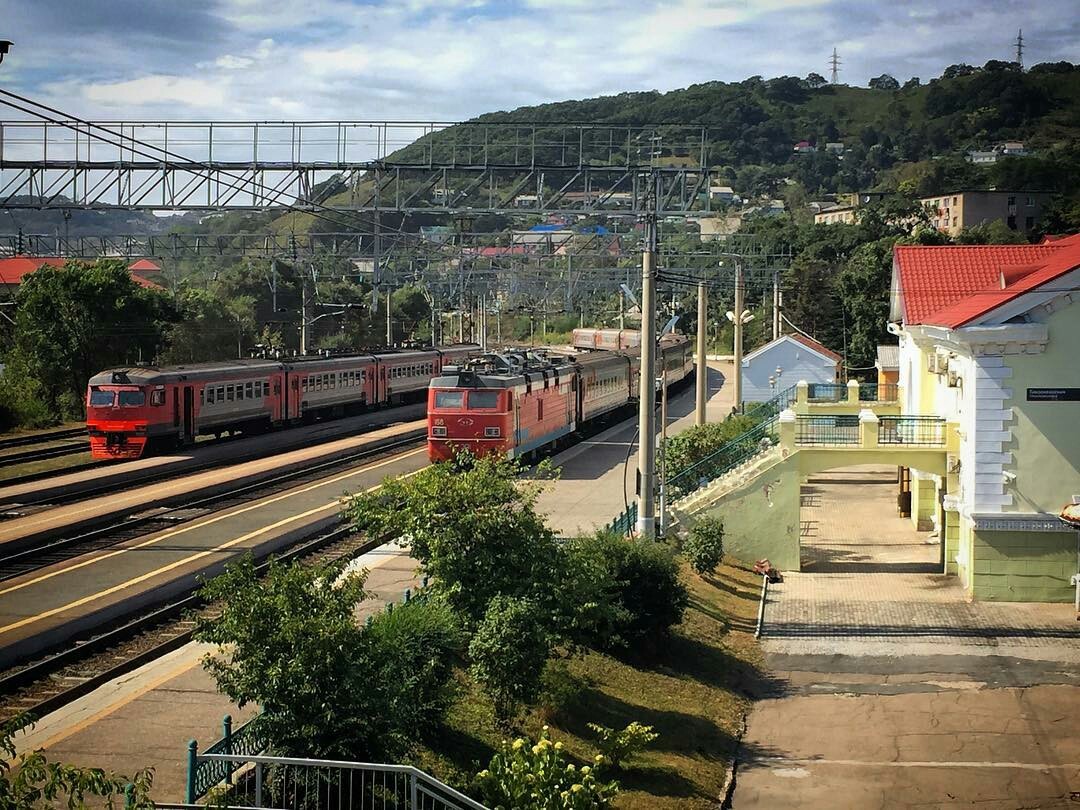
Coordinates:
<point>1053,394</point>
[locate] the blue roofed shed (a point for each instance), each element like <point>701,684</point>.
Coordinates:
<point>796,356</point>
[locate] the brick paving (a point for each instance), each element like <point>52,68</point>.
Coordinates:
<point>868,580</point>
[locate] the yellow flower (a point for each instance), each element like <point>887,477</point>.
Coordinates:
<point>586,771</point>
<point>558,746</point>
<point>545,729</point>
<point>484,774</point>
<point>576,788</point>
<point>599,759</point>
<point>518,744</point>
<point>536,749</point>
<point>570,767</point>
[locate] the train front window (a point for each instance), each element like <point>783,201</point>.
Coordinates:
<point>450,399</point>
<point>101,399</point>
<point>484,399</point>
<point>132,399</point>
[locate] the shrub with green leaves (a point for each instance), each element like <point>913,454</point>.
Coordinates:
<point>329,688</point>
<point>621,593</point>
<point>704,545</point>
<point>522,776</point>
<point>617,747</point>
<point>508,652</point>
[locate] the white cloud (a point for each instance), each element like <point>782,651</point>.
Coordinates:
<point>157,90</point>
<point>230,62</point>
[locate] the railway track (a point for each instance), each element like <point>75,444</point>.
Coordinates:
<point>156,519</point>
<point>43,454</point>
<point>81,666</point>
<point>41,438</point>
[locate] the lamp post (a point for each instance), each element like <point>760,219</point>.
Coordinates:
<point>745,316</point>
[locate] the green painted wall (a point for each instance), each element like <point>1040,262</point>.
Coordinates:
<point>923,503</point>
<point>965,552</point>
<point>952,541</point>
<point>761,518</point>
<point>1024,566</point>
<point>1046,435</point>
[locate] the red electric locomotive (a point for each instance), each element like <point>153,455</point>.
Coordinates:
<point>519,403</point>
<point>131,410</point>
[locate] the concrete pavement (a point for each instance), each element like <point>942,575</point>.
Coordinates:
<point>597,481</point>
<point>887,689</point>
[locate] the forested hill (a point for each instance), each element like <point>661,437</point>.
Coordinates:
<point>757,122</point>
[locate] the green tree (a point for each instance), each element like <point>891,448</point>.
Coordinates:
<point>73,321</point>
<point>290,643</point>
<point>473,527</point>
<point>704,546</point>
<point>508,653</point>
<point>211,327</point>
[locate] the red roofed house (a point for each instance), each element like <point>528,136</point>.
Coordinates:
<point>14,269</point>
<point>990,339</point>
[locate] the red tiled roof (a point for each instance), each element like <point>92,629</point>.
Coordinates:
<point>817,347</point>
<point>144,266</point>
<point>951,285</point>
<point>15,269</point>
<point>933,277</point>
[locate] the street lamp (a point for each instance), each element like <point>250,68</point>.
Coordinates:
<point>5,46</point>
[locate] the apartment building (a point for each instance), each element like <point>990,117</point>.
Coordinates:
<point>1019,210</point>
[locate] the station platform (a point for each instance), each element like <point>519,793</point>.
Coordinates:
<point>42,524</point>
<point>210,453</point>
<point>50,605</point>
<point>146,718</point>
<point>597,483</point>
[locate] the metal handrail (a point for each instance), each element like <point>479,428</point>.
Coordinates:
<point>879,392</point>
<point>830,429</point>
<point>772,407</point>
<point>826,392</point>
<point>917,431</point>
<point>742,448</point>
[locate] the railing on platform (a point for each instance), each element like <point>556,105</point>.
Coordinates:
<point>879,392</point>
<point>772,407</point>
<point>298,784</point>
<point>624,524</point>
<point>912,431</point>
<point>835,429</point>
<point>742,448</point>
<point>826,392</point>
<point>203,774</point>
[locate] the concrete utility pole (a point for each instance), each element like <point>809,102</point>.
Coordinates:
<point>663,451</point>
<point>702,372</point>
<point>776,305</point>
<point>622,310</point>
<point>646,520</point>
<point>389,323</point>
<point>304,311</point>
<point>737,351</point>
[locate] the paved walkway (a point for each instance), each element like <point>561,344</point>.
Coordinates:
<point>147,717</point>
<point>597,481</point>
<point>888,689</point>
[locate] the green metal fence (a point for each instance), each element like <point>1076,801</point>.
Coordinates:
<point>742,448</point>
<point>826,392</point>
<point>912,431</point>
<point>770,408</point>
<point>625,522</point>
<point>819,430</point>
<point>875,392</point>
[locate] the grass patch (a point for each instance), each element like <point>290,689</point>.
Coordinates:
<point>695,695</point>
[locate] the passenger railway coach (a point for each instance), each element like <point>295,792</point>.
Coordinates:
<point>517,403</point>
<point>131,409</point>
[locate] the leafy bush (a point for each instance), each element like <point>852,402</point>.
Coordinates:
<point>289,642</point>
<point>508,652</point>
<point>560,690</point>
<point>618,746</point>
<point>636,595</point>
<point>539,777</point>
<point>473,527</point>
<point>417,643</point>
<point>704,546</point>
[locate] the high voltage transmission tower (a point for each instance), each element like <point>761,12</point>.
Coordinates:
<point>1020,48</point>
<point>834,64</point>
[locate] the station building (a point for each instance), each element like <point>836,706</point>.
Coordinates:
<point>989,339</point>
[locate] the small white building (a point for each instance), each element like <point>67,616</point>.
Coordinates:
<point>796,357</point>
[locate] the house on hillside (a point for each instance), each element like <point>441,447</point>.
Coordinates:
<point>804,148</point>
<point>781,363</point>
<point>988,339</point>
<point>16,268</point>
<point>887,365</point>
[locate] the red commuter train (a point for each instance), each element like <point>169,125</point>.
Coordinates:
<point>519,403</point>
<point>131,410</point>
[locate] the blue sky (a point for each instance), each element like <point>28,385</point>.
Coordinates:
<point>451,59</point>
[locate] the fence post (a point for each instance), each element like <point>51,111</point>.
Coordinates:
<point>414,799</point>
<point>868,429</point>
<point>408,594</point>
<point>226,736</point>
<point>192,766</point>
<point>853,392</point>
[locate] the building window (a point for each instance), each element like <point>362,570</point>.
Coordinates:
<point>1011,222</point>
<point>1011,201</point>
<point>1030,202</point>
<point>954,200</point>
<point>1029,222</point>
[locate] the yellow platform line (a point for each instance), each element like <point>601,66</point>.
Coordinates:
<point>191,558</point>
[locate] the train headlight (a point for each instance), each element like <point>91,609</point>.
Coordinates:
<point>438,431</point>
<point>492,432</point>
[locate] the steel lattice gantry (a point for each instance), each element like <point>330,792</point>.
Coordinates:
<point>356,166</point>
